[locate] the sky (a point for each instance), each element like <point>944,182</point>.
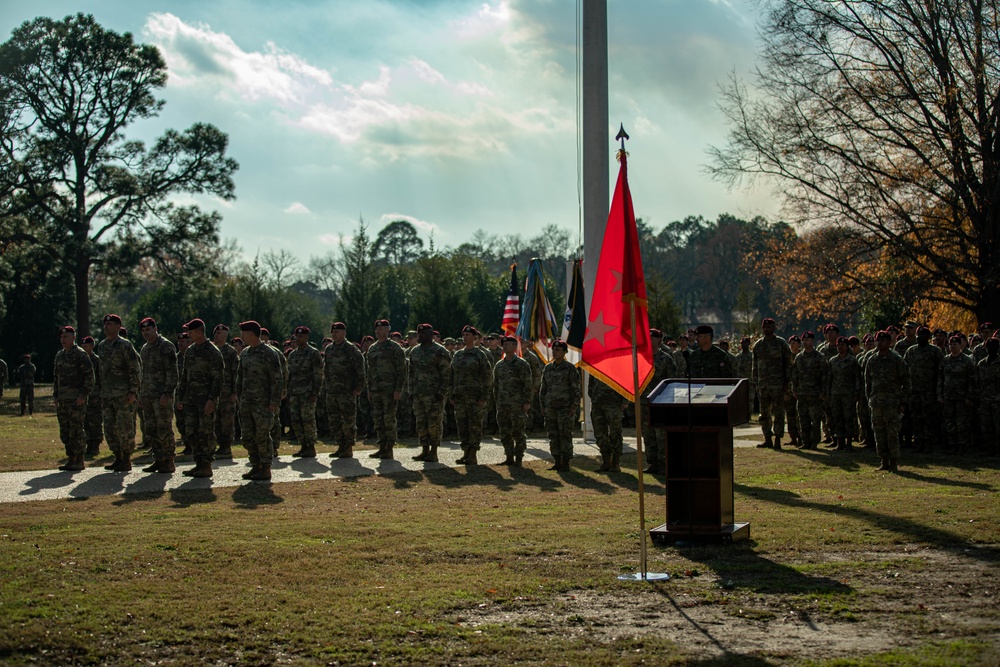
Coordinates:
<point>454,115</point>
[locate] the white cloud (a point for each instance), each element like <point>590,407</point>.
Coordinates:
<point>297,208</point>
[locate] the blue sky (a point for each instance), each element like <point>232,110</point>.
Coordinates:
<point>455,115</point>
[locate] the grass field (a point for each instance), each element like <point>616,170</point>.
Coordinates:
<point>504,566</point>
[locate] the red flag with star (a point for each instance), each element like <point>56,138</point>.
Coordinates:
<point>620,282</point>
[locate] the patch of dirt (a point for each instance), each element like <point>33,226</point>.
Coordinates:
<point>890,600</point>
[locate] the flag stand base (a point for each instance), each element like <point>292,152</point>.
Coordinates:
<point>648,576</point>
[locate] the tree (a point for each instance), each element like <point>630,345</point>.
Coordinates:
<point>881,117</point>
<point>362,294</point>
<point>68,91</point>
<point>397,243</point>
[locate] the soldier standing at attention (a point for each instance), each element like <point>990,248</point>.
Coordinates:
<point>743,366</point>
<point>494,354</point>
<point>606,408</point>
<point>386,374</point>
<point>225,413</point>
<point>471,387</point>
<point>512,389</point>
<point>305,380</point>
<point>429,379</point>
<point>845,386</point>
<point>989,396</point>
<point>344,379</point>
<point>74,380</point>
<point>909,339</point>
<point>120,378</point>
<point>197,396</point>
<point>979,352</point>
<point>156,396</point>
<point>791,409</point>
<point>534,419</point>
<point>887,386</point>
<point>559,396</point>
<point>809,384</point>
<point>183,343</point>
<point>93,425</point>
<point>259,384</point>
<point>828,350</point>
<point>366,419</point>
<point>265,338</point>
<point>924,362</point>
<point>663,368</point>
<point>957,389</point>
<point>771,373</point>
<point>707,360</point>
<point>25,377</point>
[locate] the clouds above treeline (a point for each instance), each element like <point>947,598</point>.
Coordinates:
<point>451,114</point>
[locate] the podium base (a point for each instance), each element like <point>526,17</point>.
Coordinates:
<point>649,576</point>
<point>732,532</point>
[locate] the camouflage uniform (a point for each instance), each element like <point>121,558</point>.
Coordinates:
<point>989,402</point>
<point>828,351</point>
<point>924,363</point>
<point>225,411</point>
<point>3,376</point>
<point>512,389</point>
<point>25,377</point>
<point>809,382</point>
<point>957,388</point>
<point>305,379</point>
<point>93,425</point>
<point>887,385</point>
<point>864,410</point>
<point>344,377</point>
<point>159,379</point>
<point>771,372</point>
<point>490,414</point>
<point>259,383</point>
<point>606,407</point>
<point>386,374</point>
<point>560,399</point>
<point>471,389</point>
<point>179,414</point>
<point>845,387</point>
<point>74,378</point>
<point>655,439</point>
<point>429,379</point>
<point>715,363</point>
<point>121,375</point>
<point>276,419</point>
<point>201,383</point>
<point>534,419</point>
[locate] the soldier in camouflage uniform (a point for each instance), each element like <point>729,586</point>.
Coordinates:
<point>989,396</point>
<point>471,388</point>
<point>121,375</point>
<point>771,373</point>
<point>305,379</point>
<point>25,377</point>
<point>924,362</point>
<point>386,375</point>
<point>828,350</point>
<point>743,366</point>
<point>366,418</point>
<point>864,410</point>
<point>429,379</point>
<point>791,407</point>
<point>494,354</point>
<point>93,422</point>
<point>225,412</point>
<point>845,387</point>
<point>343,380</point>
<point>265,338</point>
<point>512,389</point>
<point>534,419</point>
<point>560,399</point>
<point>183,343</point>
<point>655,440</point>
<point>606,408</point>
<point>708,360</point>
<point>887,386</point>
<point>259,383</point>
<point>197,396</point>
<point>809,385</point>
<point>979,352</point>
<point>156,396</point>
<point>957,389</point>
<point>3,376</point>
<point>73,382</point>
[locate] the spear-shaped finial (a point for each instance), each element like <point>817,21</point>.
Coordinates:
<point>622,135</point>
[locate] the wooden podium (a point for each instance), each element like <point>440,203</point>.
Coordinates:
<point>699,456</point>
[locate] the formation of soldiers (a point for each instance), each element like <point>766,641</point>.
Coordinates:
<point>888,390</point>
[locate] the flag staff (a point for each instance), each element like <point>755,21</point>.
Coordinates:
<point>643,574</point>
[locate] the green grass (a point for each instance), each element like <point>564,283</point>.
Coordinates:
<point>426,567</point>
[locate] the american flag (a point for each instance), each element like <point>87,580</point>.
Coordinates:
<point>512,309</point>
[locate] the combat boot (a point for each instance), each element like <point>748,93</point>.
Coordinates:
<point>338,453</point>
<point>777,443</point>
<point>508,460</point>
<point>126,463</point>
<point>253,471</point>
<point>767,444</point>
<point>114,465</point>
<point>387,453</point>
<point>605,462</point>
<point>167,467</point>
<point>377,454</point>
<point>92,451</point>
<point>153,468</point>
<point>73,464</point>
<point>300,453</point>
<point>201,470</point>
<point>893,467</point>
<point>884,467</point>
<point>308,452</point>
<point>556,463</point>
<point>224,452</point>
<point>347,452</point>
<point>615,463</point>
<point>465,455</point>
<point>471,459</point>
<point>565,463</point>
<point>432,455</point>
<point>263,473</point>
<point>653,468</point>
<point>422,456</point>
<point>518,460</point>
<point>187,451</point>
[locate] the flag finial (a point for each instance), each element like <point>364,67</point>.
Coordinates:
<point>623,137</point>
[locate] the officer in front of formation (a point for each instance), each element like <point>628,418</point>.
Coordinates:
<point>559,396</point>
<point>429,379</point>
<point>471,389</point>
<point>708,360</point>
<point>512,389</point>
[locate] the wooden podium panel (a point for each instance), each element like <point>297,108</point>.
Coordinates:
<point>698,464</point>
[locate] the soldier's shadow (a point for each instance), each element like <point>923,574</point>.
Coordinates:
<point>478,475</point>
<point>107,483</point>
<point>54,480</point>
<point>308,468</point>
<point>253,495</point>
<point>193,492</point>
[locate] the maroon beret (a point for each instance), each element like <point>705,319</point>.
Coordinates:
<point>367,338</point>
<point>655,333</point>
<point>265,332</point>
<point>220,327</point>
<point>767,320</point>
<point>301,330</point>
<point>251,326</point>
<point>338,326</point>
<point>381,323</point>
<point>196,323</point>
<point>508,339</point>
<point>468,328</point>
<point>557,343</point>
<point>808,334</point>
<point>424,327</point>
<point>112,318</point>
<point>704,329</point>
<point>147,322</point>
<point>66,329</point>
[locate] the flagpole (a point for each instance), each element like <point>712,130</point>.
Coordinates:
<point>644,574</point>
